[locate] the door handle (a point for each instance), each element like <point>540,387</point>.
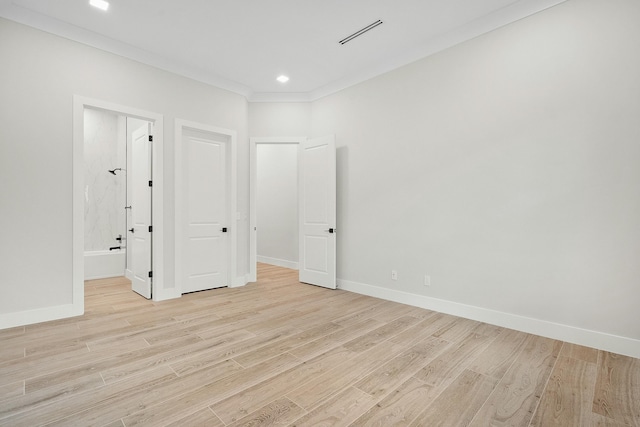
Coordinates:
<point>132,230</point>
<point>331,230</point>
<point>224,229</point>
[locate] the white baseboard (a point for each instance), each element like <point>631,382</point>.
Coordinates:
<point>165,294</point>
<point>239,281</point>
<point>602,341</point>
<point>279,262</point>
<point>29,317</point>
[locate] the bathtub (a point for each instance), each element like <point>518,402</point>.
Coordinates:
<point>101,264</point>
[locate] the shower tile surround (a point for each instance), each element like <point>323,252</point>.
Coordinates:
<point>104,193</point>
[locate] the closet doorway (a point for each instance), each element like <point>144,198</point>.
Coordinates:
<point>274,196</point>
<point>295,172</point>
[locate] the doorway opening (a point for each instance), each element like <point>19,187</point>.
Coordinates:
<point>277,204</point>
<point>274,203</point>
<point>316,214</point>
<point>116,186</point>
<point>110,178</point>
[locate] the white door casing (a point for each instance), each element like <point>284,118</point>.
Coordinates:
<point>317,211</point>
<point>204,212</point>
<point>139,240</point>
<point>206,186</point>
<point>79,104</point>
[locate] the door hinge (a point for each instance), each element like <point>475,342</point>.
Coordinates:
<point>150,228</point>
<point>151,274</point>
<point>150,183</point>
<point>150,138</point>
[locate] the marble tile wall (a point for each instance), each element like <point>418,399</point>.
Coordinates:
<point>104,193</point>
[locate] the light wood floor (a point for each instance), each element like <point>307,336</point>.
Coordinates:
<point>282,353</point>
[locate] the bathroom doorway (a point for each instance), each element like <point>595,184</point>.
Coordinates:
<point>117,197</point>
<point>105,194</point>
<point>117,161</point>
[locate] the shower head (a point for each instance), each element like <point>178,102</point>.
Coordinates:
<point>113,171</point>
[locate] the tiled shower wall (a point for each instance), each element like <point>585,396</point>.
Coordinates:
<point>104,193</point>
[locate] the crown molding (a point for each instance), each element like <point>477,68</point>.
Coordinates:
<point>280,97</point>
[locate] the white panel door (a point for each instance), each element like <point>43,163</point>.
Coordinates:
<point>317,211</point>
<point>205,212</point>
<point>139,240</point>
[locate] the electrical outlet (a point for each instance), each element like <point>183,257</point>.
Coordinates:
<point>394,275</point>
<point>427,280</point>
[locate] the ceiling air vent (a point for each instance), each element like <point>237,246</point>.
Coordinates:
<point>360,32</point>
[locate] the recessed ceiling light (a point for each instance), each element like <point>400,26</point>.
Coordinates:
<point>100,4</point>
<point>283,79</point>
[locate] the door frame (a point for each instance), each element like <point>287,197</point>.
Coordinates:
<point>157,161</point>
<point>253,182</point>
<point>229,137</point>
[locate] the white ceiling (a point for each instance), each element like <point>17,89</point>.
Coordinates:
<point>243,45</point>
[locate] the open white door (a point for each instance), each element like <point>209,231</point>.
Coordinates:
<point>205,263</point>
<point>317,211</point>
<point>139,238</point>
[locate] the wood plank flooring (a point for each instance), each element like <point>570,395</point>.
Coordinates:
<point>278,352</point>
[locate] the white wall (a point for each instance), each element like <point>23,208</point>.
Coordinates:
<point>277,204</point>
<point>40,73</point>
<point>104,193</point>
<point>273,119</point>
<point>506,168</point>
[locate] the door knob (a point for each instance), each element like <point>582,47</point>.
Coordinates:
<point>132,230</point>
<point>331,230</point>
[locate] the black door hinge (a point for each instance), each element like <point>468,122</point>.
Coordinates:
<point>150,228</point>
<point>150,138</point>
<point>150,183</point>
<point>151,274</point>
